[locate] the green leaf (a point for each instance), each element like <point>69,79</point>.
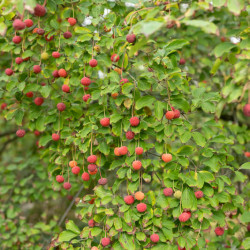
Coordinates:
<point>19,117</point>
<point>222,48</point>
<point>44,140</point>
<point>40,123</point>
<point>246,243</point>
<point>245,166</point>
<point>70,225</point>
<point>66,236</point>
<point>126,241</point>
<point>159,107</point>
<point>175,44</point>
<point>235,6</point>
<point>95,231</point>
<point>150,27</point>
<point>245,217</point>
<point>199,139</point>
<point>145,101</point>
<point>206,26</point>
<point>188,199</point>
<point>140,236</point>
<point>218,3</point>
<point>115,118</point>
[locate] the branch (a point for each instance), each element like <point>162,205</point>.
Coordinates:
<point>7,133</point>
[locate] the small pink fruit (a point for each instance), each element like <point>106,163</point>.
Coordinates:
<point>18,60</point>
<point>55,137</point>
<point>9,72</point>
<point>67,35</point>
<point>85,176</point>
<point>169,115</point>
<point>168,191</point>
<point>93,63</point>
<point>20,132</point>
<point>65,88</point>
<point>91,223</point>
<point>166,157</point>
<point>18,24</point>
<point>115,58</point>
<point>29,94</point>
<point>61,106</point>
<point>182,61</point>
<point>59,179</point>
<point>66,185</point>
<point>136,165</point>
<point>141,207</point>
<point>134,121</point>
<point>75,170</point>
<point>16,39</point>
<point>39,10</point>
<point>56,54</point>
<point>86,97</point>
<point>105,122</point>
<point>198,194</point>
<point>129,199</point>
<point>85,81</point>
<point>123,150</point>
<point>105,242</point>
<point>139,150</point>
<point>28,23</point>
<point>72,21</point>
<point>38,101</point>
<point>62,73</point>
<point>185,216</point>
<point>246,110</point>
<point>37,69</point>
<point>92,159</point>
<point>55,74</point>
<point>130,135</point>
<point>154,238</point>
<point>123,81</point>
<point>131,38</point>
<point>219,231</point>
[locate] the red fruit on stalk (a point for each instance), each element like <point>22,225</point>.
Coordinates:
<point>65,88</point>
<point>72,21</point>
<point>169,115</point>
<point>62,73</point>
<point>40,31</point>
<point>166,157</point>
<point>16,39</point>
<point>18,24</point>
<point>91,223</point>
<point>105,242</point>
<point>39,10</point>
<point>38,101</point>
<point>61,106</point>
<point>92,159</point>
<point>37,69</point>
<point>182,61</point>
<point>85,81</point>
<point>85,176</point>
<point>131,38</point>
<point>130,135</point>
<point>247,154</point>
<point>139,150</point>
<point>18,60</point>
<point>3,105</point>
<point>105,122</point>
<point>55,74</point>
<point>198,194</point>
<point>115,58</point>
<point>67,35</point>
<point>134,121</point>
<point>116,151</point>
<point>20,132</point>
<point>154,238</point>
<point>59,179</point>
<point>219,231</point>
<point>56,54</point>
<point>129,199</point>
<point>75,170</point>
<point>246,110</point>
<point>93,63</point>
<point>86,97</point>
<point>141,207</point>
<point>92,167</point>
<point>29,94</point>
<point>185,216</point>
<point>55,137</point>
<point>124,80</point>
<point>123,150</point>
<point>103,181</point>
<point>66,185</point>
<point>37,133</point>
<point>136,165</point>
<point>9,72</point>
<point>168,191</point>
<point>28,23</point>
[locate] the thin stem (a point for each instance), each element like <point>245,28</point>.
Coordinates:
<point>91,144</point>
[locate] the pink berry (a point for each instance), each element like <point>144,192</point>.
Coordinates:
<point>55,137</point>
<point>59,179</point>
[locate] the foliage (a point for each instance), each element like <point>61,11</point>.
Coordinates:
<point>207,142</point>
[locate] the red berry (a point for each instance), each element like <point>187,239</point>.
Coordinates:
<point>141,207</point>
<point>3,105</point>
<point>38,101</point>
<point>105,122</point>
<point>55,137</point>
<point>92,159</point>
<point>86,97</point>
<point>62,73</point>
<point>92,167</point>
<point>131,38</point>
<point>185,216</point>
<point>136,165</point>
<point>219,231</point>
<point>182,61</point>
<point>66,185</point>
<point>49,38</point>
<point>166,157</point>
<point>20,132</point>
<point>75,170</point>
<point>65,88</point>
<point>39,10</point>
<point>61,106</point>
<point>129,199</point>
<point>134,121</point>
<point>40,31</point>
<point>223,39</point>
<point>91,223</point>
<point>37,69</point>
<point>124,80</point>
<point>247,154</point>
<point>56,54</point>
<point>55,74</point>
<point>59,179</point>
<point>18,24</point>
<point>123,150</point>
<point>9,72</point>
<point>198,194</point>
<point>28,23</point>
<point>103,181</point>
<point>67,35</point>
<point>139,150</point>
<point>115,58</point>
<point>37,133</point>
<point>16,39</point>
<point>130,135</point>
<point>169,115</point>
<point>72,21</point>
<point>246,110</point>
<point>93,63</point>
<point>85,176</point>
<point>26,59</point>
<point>29,94</point>
<point>168,191</point>
<point>105,242</point>
<point>85,81</point>
<point>154,238</point>
<point>18,60</point>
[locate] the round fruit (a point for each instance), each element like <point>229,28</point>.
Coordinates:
<point>72,21</point>
<point>92,167</point>
<point>130,135</point>
<point>29,94</point>
<point>16,39</point>
<point>38,101</point>
<point>55,74</point>
<point>123,150</point>
<point>39,10</point>
<point>66,185</point>
<point>3,105</point>
<point>105,242</point>
<point>185,216</point>
<point>65,88</point>
<point>91,223</point>
<point>9,72</point>
<point>44,56</point>
<point>219,231</point>
<point>177,194</point>
<point>141,207</point>
<point>168,191</point>
<point>18,24</point>
<point>37,133</point>
<point>61,106</point>
<point>139,196</point>
<point>105,122</point>
<point>247,154</point>
<point>85,81</point>
<point>169,115</point>
<point>139,150</point>
<point>103,181</point>
<point>75,170</point>
<point>40,31</point>
<point>246,110</point>
<point>114,95</point>
<point>55,137</point>
<point>136,165</point>
<point>20,132</point>
<point>198,194</point>
<point>37,69</point>
<point>134,121</point>
<point>72,164</point>
<point>115,58</point>
<point>62,73</point>
<point>59,179</point>
<point>116,151</point>
<point>92,172</point>
<point>92,159</point>
<point>56,54</point>
<point>18,60</point>
<point>124,80</point>
<point>94,248</point>
<point>166,157</point>
<point>67,35</point>
<point>85,176</point>
<point>182,61</point>
<point>93,63</point>
<point>154,238</point>
<point>129,199</point>
<point>97,48</point>
<point>86,97</point>
<point>28,23</point>
<point>131,38</point>
<point>49,38</point>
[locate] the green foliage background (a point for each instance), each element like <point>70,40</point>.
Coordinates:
<point>207,142</point>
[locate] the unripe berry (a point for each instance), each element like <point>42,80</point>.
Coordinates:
<point>20,132</point>
<point>129,199</point>
<point>75,170</point>
<point>139,196</point>
<point>72,164</point>
<point>115,58</point>
<point>246,110</point>
<point>131,38</point>
<point>136,165</point>
<point>93,63</point>
<point>61,106</point>
<point>123,150</point>
<point>139,150</point>
<point>177,194</point>
<point>168,191</point>
<point>166,157</point>
<point>105,242</point>
<point>86,97</point>
<point>198,194</point>
<point>16,39</point>
<point>18,60</point>
<point>154,238</point>
<point>91,223</point>
<point>114,95</point>
<point>9,72</point>
<point>67,35</point>
<point>103,181</point>
<point>29,94</point>
<point>85,81</point>
<point>59,179</point>
<point>85,176</point>
<point>66,185</point>
<point>37,69</point>
<point>28,23</point>
<point>55,137</point>
<point>219,231</point>
<point>141,207</point>
<point>130,135</point>
<point>65,88</point>
<point>72,21</point>
<point>105,122</point>
<point>56,54</point>
<point>62,73</point>
<point>18,24</point>
<point>38,101</point>
<point>44,56</point>
<point>169,115</point>
<point>134,121</point>
<point>92,159</point>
